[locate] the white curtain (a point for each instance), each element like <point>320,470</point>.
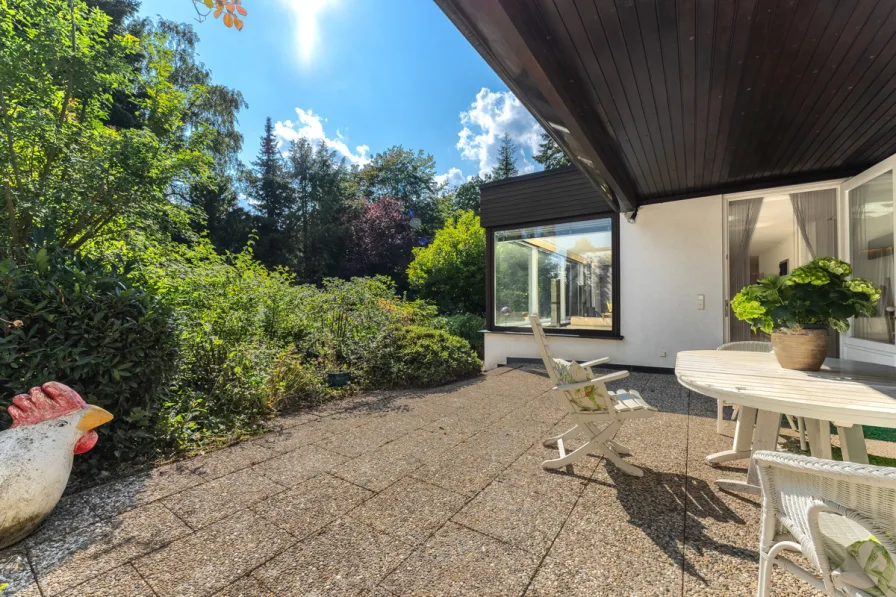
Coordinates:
<point>742,218</point>
<point>816,217</point>
<point>815,213</point>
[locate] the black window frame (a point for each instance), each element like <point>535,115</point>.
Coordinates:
<point>612,334</point>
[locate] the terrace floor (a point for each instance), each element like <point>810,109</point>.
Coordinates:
<point>434,492</point>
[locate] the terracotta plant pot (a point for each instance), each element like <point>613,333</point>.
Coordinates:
<point>804,349</point>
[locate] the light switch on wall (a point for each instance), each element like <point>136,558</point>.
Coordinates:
<point>701,302</point>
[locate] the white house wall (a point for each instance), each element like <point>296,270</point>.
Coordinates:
<point>672,254</point>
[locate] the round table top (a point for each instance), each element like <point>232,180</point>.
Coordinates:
<point>844,392</point>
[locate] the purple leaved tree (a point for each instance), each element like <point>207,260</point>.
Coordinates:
<point>381,240</point>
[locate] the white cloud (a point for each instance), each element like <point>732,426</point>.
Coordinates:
<point>453,177</point>
<point>490,115</point>
<point>311,127</point>
<point>306,14</point>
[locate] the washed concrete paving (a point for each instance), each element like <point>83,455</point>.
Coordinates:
<point>436,492</point>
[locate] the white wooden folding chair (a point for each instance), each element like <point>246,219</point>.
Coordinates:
<point>590,405</point>
<point>830,512</point>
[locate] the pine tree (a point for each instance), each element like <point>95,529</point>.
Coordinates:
<point>506,159</point>
<point>272,197</point>
<point>550,155</point>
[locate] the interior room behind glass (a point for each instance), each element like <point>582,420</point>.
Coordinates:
<point>562,272</point>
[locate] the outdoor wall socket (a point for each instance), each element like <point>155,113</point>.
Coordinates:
<point>662,353</point>
<point>701,302</point>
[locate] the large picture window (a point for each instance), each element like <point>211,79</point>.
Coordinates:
<point>564,272</point>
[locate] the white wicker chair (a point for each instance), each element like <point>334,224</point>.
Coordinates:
<point>617,407</point>
<point>819,507</point>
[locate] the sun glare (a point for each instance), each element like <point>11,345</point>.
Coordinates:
<point>307,14</point>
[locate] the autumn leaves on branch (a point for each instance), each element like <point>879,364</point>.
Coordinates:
<point>232,11</point>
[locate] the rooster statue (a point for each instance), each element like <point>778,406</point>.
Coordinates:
<point>49,426</point>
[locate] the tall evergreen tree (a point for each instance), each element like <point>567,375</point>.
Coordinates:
<point>550,155</point>
<point>506,159</point>
<point>270,194</point>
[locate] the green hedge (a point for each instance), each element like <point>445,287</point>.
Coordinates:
<point>90,325</point>
<point>420,357</point>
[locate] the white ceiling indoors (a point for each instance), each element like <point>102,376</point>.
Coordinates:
<point>775,223</point>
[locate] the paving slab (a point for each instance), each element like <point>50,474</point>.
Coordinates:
<point>423,444</point>
<point>71,514</point>
<point>287,440</point>
<point>121,582</point>
<point>458,561</point>
<point>214,557</point>
<point>285,421</point>
<point>292,468</point>
<point>616,543</point>
<point>77,557</point>
<point>212,501</point>
<point>246,587</point>
<point>218,463</point>
<point>361,440</point>
<point>461,471</point>
<point>120,496</point>
<point>345,558</point>
<point>410,510</point>
<point>16,574</point>
<point>378,469</point>
<point>515,512</point>
<point>309,506</point>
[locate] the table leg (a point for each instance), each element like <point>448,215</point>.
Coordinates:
<point>743,437</point>
<point>852,443</point>
<point>765,437</point>
<point>819,435</point>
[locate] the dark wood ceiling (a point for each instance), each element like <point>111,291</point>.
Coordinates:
<point>666,99</point>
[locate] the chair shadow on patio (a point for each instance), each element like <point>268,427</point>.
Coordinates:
<point>672,509</point>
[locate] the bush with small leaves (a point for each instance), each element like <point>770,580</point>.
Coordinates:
<point>419,357</point>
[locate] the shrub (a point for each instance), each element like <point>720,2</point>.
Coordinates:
<point>450,272</point>
<point>296,383</point>
<point>347,316</point>
<point>90,325</point>
<point>467,326</point>
<point>416,356</point>
<point>221,392</point>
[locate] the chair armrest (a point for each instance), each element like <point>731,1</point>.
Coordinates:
<point>590,382</point>
<point>599,361</point>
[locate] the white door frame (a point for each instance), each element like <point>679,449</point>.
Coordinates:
<point>835,184</point>
<point>851,347</point>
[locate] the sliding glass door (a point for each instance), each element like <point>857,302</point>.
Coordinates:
<point>867,201</point>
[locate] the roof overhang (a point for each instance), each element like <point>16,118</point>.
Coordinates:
<point>670,99</point>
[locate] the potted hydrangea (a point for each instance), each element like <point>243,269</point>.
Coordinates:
<point>798,309</point>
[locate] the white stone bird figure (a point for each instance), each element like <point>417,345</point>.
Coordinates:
<point>49,426</point>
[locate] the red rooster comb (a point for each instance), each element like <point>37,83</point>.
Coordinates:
<point>50,401</point>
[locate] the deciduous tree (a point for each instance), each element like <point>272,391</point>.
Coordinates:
<point>66,174</point>
<point>451,271</point>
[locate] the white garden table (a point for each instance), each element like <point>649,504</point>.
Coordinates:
<point>848,394</point>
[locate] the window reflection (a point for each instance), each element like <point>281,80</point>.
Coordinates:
<point>563,272</point>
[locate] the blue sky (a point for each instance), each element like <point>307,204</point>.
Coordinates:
<point>365,75</point>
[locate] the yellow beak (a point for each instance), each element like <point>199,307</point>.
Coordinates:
<point>94,417</point>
